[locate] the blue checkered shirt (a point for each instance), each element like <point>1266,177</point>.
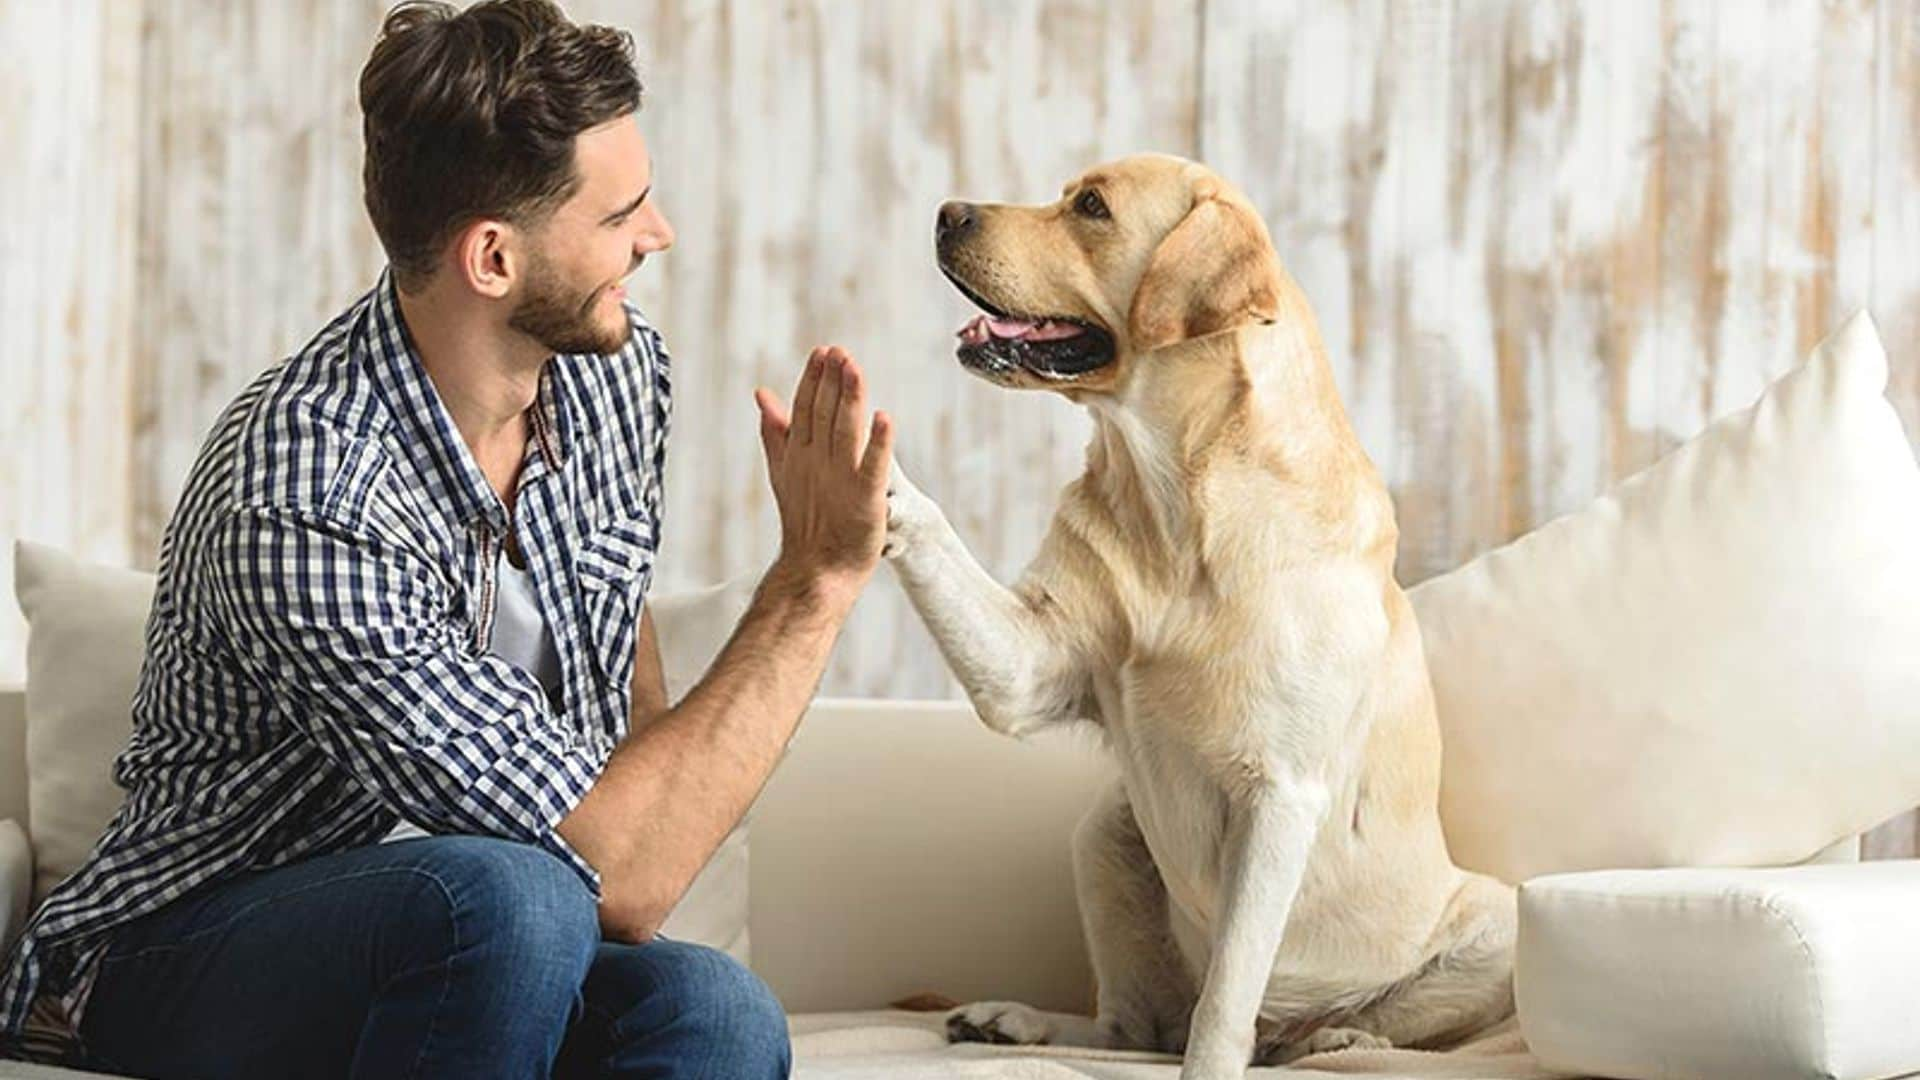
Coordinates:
<point>316,665</point>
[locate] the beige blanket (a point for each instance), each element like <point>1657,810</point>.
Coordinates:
<point>894,1045</point>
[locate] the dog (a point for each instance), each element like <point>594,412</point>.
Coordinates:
<point>1268,877</point>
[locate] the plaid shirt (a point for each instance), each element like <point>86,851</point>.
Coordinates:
<point>316,667</point>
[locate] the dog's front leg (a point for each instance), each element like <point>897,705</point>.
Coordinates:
<point>1270,831</point>
<point>1003,649</point>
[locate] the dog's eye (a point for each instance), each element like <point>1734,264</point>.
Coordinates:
<point>1090,204</point>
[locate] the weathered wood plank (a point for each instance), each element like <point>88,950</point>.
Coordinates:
<point>802,150</point>
<point>67,297</point>
<point>1546,242</point>
<point>251,232</point>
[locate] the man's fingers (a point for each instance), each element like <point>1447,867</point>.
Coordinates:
<point>833,385</point>
<point>877,466</point>
<point>773,425</point>
<point>804,396</point>
<point>849,426</point>
<point>771,411</point>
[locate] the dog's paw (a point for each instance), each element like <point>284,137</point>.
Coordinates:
<point>910,515</point>
<point>1326,1040</point>
<point>1005,1022</point>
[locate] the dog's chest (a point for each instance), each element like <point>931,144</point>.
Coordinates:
<point>1181,815</point>
<point>1178,804</point>
<point>1200,705</point>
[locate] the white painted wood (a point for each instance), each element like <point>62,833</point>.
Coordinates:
<point>67,302</point>
<point>1546,241</point>
<point>251,233</point>
<point>802,150</point>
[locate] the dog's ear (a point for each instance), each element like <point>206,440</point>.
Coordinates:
<point>1216,270</point>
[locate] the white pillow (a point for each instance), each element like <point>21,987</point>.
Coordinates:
<point>86,638</point>
<point>692,626</point>
<point>1713,666</point>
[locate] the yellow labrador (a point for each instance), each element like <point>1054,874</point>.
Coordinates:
<point>1268,878</point>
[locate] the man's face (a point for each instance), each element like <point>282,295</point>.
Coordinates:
<point>577,258</point>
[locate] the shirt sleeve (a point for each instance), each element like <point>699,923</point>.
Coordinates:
<point>351,635</point>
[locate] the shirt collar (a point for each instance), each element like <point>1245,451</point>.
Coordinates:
<point>426,429</point>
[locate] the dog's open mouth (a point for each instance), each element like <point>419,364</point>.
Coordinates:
<point>1052,347</point>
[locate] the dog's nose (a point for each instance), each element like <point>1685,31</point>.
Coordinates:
<point>955,219</point>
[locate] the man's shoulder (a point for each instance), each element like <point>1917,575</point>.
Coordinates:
<point>306,430</point>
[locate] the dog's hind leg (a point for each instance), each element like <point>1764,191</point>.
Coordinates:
<point>1146,991</point>
<point>1468,984</point>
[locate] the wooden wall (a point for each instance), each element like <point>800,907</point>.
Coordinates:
<point>69,196</point>
<point>1546,240</point>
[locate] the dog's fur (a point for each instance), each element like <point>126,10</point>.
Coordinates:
<point>1269,877</point>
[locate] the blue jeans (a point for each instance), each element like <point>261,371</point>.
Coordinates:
<point>455,956</point>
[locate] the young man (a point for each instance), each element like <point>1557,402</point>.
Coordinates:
<point>405,795</point>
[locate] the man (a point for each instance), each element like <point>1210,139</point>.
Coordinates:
<point>402,599</point>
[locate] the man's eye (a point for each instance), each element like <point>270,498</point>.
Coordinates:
<point>1090,204</point>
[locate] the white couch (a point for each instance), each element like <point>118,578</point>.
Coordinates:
<point>1711,667</point>
<point>900,848</point>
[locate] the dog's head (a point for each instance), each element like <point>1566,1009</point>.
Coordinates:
<point>1136,255</point>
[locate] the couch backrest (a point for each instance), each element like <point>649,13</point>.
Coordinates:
<point>902,847</point>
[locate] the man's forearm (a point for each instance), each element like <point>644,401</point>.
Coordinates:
<point>674,787</point>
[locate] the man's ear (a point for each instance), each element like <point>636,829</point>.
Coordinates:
<point>1216,270</point>
<point>485,258</point>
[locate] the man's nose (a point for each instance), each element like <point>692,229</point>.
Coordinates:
<point>656,233</point>
<point>956,220</point>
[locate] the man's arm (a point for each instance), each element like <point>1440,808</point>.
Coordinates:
<point>677,785</point>
<point>649,675</point>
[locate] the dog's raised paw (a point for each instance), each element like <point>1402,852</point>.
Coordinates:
<point>909,516</point>
<point>1008,1023</point>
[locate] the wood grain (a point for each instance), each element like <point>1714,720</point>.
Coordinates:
<point>67,293</point>
<point>1547,241</point>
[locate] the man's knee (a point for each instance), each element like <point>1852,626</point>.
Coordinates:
<point>723,993</point>
<point>511,911</point>
<point>710,997</point>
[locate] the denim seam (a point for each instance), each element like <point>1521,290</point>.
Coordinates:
<point>184,942</point>
<point>445,966</point>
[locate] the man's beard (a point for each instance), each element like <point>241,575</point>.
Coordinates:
<point>562,319</point>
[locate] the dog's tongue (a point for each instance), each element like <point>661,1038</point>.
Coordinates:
<point>1018,329</point>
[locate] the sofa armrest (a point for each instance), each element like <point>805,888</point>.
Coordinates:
<point>16,880</point>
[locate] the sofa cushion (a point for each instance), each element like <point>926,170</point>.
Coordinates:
<point>1712,665</point>
<point>896,1045</point>
<point>86,629</point>
<point>692,625</point>
<point>1689,973</point>
<point>86,638</point>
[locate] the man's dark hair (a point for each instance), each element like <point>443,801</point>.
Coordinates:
<point>472,114</point>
